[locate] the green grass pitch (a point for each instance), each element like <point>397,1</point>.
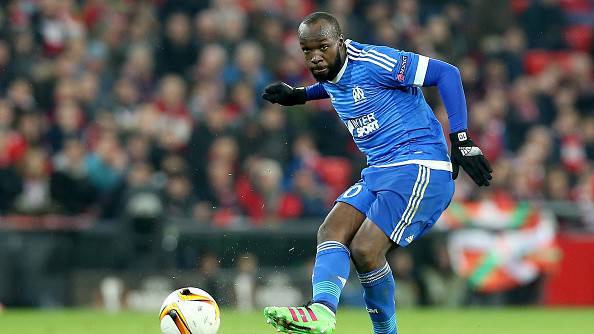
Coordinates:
<point>418,321</point>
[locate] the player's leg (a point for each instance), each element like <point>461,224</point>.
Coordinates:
<point>368,249</point>
<point>332,264</point>
<point>409,199</point>
<point>330,272</point>
<point>331,267</point>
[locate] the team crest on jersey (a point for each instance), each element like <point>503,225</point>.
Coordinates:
<point>403,63</point>
<point>358,94</point>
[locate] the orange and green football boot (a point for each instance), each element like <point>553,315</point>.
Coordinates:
<point>309,319</point>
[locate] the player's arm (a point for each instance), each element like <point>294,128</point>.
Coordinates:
<point>286,95</point>
<point>400,68</point>
<point>433,72</point>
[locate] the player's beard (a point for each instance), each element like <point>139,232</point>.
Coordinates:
<point>333,69</point>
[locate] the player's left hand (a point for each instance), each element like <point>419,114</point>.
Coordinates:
<point>466,154</point>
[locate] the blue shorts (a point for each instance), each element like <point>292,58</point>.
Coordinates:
<point>403,201</point>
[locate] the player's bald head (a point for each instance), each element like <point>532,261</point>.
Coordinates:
<point>323,46</point>
<point>319,25</point>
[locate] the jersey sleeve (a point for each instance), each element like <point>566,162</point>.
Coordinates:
<point>316,92</point>
<point>395,68</point>
<point>391,67</point>
<point>449,82</point>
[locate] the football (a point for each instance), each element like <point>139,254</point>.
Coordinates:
<point>189,311</point>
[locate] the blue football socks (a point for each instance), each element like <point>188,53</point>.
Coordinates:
<point>379,287</point>
<point>330,273</point>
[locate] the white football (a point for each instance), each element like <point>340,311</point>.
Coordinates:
<point>190,311</point>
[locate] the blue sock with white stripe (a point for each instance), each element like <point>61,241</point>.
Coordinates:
<point>379,289</point>
<point>330,273</point>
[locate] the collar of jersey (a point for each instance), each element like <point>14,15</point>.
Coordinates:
<point>344,66</point>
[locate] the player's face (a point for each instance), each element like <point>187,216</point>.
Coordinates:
<point>322,54</point>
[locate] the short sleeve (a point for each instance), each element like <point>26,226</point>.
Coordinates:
<point>391,67</point>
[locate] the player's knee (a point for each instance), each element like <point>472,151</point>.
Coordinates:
<point>323,233</point>
<point>330,232</point>
<point>365,255</point>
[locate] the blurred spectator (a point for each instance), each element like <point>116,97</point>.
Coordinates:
<point>206,27</point>
<point>245,282</point>
<point>10,181</point>
<point>23,56</point>
<point>271,33</point>
<point>406,17</point>
<point>224,149</point>
<point>302,171</point>
<point>89,95</point>
<point>232,23</point>
<point>386,34</point>
<point>141,197</point>
<point>488,18</point>
<point>138,68</point>
<point>201,145</point>
<point>139,148</point>
<point>543,24</point>
<point>588,136</point>
<point>438,33</point>
<point>178,198</point>
<point>248,67</point>
<point>68,124</point>
<point>407,288</point>
<point>106,164</point>
<point>209,270</point>
<point>278,291</point>
<point>55,25</point>
<point>514,45</point>
<point>6,115</point>
<point>35,196</point>
<point>443,287</point>
<point>31,128</point>
<point>177,45</point>
<point>211,63</point>
<point>311,194</point>
<point>126,97</point>
<point>275,134</point>
<point>557,185</point>
<point>523,114</point>
<point>175,127</point>
<point>5,60</point>
<point>220,192</point>
<point>171,96</point>
<point>70,187</point>
<point>260,194</point>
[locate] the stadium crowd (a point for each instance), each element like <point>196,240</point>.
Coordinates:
<point>152,108</point>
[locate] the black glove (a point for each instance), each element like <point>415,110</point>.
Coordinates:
<point>283,94</point>
<point>466,154</point>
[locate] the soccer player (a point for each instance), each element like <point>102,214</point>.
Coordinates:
<point>409,179</point>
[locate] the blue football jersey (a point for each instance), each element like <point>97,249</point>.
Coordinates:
<point>377,96</point>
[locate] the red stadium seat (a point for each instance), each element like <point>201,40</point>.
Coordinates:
<point>336,172</point>
<point>576,6</point>
<point>579,37</point>
<point>519,6</point>
<point>537,60</point>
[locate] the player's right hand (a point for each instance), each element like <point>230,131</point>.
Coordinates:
<point>283,94</point>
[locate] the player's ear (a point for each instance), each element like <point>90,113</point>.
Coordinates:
<point>341,40</point>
